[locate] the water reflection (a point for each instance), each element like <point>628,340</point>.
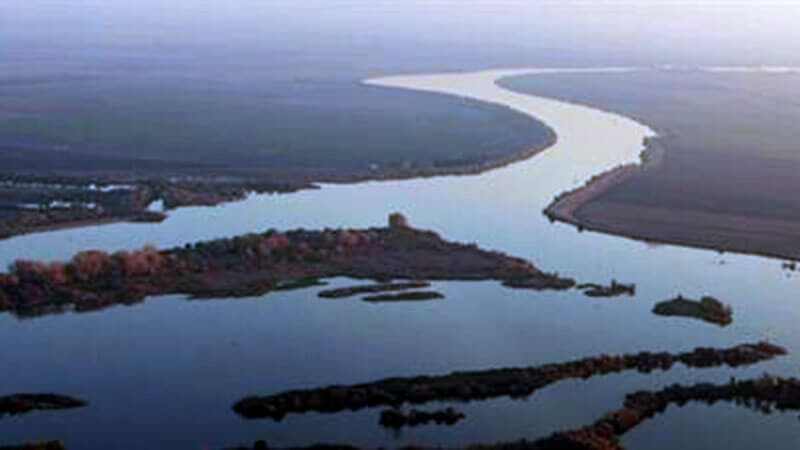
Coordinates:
<point>203,356</point>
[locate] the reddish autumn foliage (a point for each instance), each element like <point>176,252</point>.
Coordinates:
<point>348,238</point>
<point>57,273</point>
<point>145,261</point>
<point>88,264</point>
<point>5,302</point>
<point>277,241</point>
<point>30,271</point>
<point>8,279</point>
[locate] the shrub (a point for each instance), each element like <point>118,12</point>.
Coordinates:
<point>89,264</point>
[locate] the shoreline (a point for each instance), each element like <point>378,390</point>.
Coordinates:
<point>599,322</point>
<point>566,205</point>
<point>701,230</point>
<point>748,235</point>
<point>296,182</point>
<point>742,234</point>
<point>254,264</point>
<point>726,233</point>
<point>514,382</point>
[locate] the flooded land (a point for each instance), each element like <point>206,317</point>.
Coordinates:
<point>195,253</point>
<point>482,328</point>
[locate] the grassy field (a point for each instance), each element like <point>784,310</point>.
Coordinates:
<point>303,124</point>
<point>731,139</point>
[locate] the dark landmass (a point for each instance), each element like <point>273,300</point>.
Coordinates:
<point>372,289</point>
<point>49,445</point>
<point>404,296</point>
<point>762,394</point>
<point>612,290</point>
<point>727,178</point>
<point>249,265</point>
<point>25,403</point>
<point>194,116</point>
<point>262,445</point>
<point>541,283</point>
<point>27,196</point>
<point>565,205</point>
<point>33,177</point>
<point>397,418</point>
<point>302,283</point>
<point>479,385</point>
<point>31,203</point>
<point>707,309</point>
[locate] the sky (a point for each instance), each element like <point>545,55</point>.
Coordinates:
<point>717,31</point>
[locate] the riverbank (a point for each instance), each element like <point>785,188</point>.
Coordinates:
<point>34,201</point>
<point>500,210</point>
<point>203,186</point>
<point>773,238</point>
<point>728,183</point>
<point>586,208</point>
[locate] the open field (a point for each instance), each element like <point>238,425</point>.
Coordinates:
<point>728,176</point>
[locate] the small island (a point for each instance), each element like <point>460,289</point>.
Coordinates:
<point>612,290</point>
<point>707,309</point>
<point>404,296</point>
<point>24,403</point>
<point>253,265</point>
<point>372,289</point>
<point>44,445</point>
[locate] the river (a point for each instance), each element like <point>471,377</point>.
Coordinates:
<point>165,373</point>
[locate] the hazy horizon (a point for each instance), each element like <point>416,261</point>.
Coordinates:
<point>436,35</point>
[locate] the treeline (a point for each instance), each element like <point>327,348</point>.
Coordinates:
<point>94,279</point>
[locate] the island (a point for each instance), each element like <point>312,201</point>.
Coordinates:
<point>707,309</point>
<point>612,290</point>
<point>24,403</point>
<point>372,289</point>
<point>763,394</point>
<point>404,296</point>
<point>252,265</point>
<point>44,445</point>
<point>481,385</point>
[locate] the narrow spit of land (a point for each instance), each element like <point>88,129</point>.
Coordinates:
<point>252,265</point>
<point>767,392</point>
<point>479,385</point>
<point>44,445</point>
<point>763,394</point>
<point>16,404</point>
<point>372,289</point>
